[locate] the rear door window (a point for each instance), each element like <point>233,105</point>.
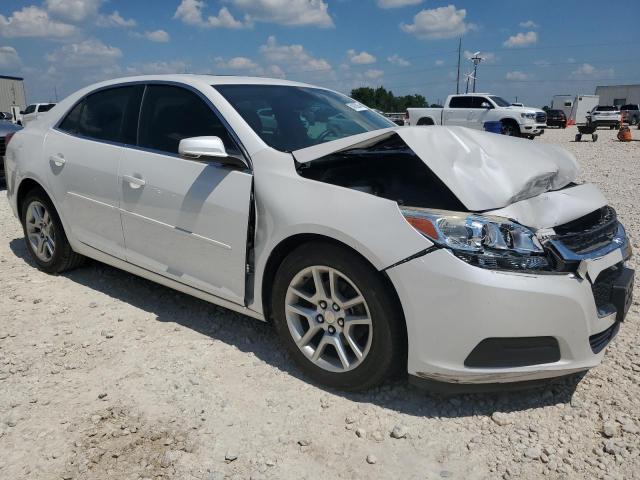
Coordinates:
<point>460,102</point>
<point>110,115</point>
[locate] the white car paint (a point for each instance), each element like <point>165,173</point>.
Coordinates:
<point>183,224</point>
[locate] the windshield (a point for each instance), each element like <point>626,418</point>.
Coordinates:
<point>289,118</point>
<point>501,102</point>
<point>605,109</point>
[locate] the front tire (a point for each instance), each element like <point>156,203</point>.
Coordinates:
<point>45,238</point>
<point>510,129</point>
<point>337,317</point>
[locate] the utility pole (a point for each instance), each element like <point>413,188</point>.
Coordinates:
<point>458,76</point>
<point>476,59</point>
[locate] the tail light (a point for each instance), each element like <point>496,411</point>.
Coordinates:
<point>8,137</point>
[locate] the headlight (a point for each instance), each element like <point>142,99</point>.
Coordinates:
<point>528,116</point>
<point>484,241</point>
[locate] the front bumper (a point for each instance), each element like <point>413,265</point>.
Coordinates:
<point>451,307</point>
<point>605,122</point>
<point>532,128</point>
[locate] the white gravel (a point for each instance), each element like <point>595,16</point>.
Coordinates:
<point>104,375</point>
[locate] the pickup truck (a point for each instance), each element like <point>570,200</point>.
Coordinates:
<point>474,109</point>
<point>631,113</point>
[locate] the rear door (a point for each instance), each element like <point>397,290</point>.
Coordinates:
<point>184,219</point>
<point>83,153</point>
<point>457,111</point>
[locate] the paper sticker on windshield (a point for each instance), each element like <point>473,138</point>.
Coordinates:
<point>358,107</point>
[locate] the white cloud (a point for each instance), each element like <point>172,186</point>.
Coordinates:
<point>362,58</point>
<point>236,63</point>
<point>397,3</point>
<point>159,36</point>
<point>33,22</point>
<point>88,53</point>
<point>542,63</point>
<point>521,40</point>
<point>587,70</point>
<point>516,75</point>
<point>287,12</point>
<point>73,10</point>
<point>373,74</point>
<point>115,20</point>
<point>274,71</point>
<point>438,23</point>
<point>9,58</point>
<point>295,57</point>
<point>487,57</point>
<point>157,68</point>
<point>439,63</point>
<point>529,24</point>
<point>397,60</point>
<point>190,12</point>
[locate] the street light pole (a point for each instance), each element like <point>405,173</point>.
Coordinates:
<point>476,59</point>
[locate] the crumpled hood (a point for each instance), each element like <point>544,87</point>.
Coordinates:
<point>484,170</point>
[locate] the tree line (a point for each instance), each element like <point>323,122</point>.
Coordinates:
<point>382,99</point>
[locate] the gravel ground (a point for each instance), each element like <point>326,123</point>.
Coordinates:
<point>104,375</point>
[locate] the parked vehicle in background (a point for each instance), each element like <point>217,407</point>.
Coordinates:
<point>630,113</point>
<point>448,253</point>
<point>33,112</point>
<point>605,116</point>
<point>473,110</point>
<point>6,116</point>
<point>556,118</point>
<point>395,117</point>
<point>6,130</point>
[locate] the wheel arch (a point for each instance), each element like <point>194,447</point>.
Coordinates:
<point>426,121</point>
<point>282,249</point>
<point>26,185</point>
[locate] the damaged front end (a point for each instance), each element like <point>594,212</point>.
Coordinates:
<point>493,202</point>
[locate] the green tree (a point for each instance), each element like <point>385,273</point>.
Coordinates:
<point>383,99</point>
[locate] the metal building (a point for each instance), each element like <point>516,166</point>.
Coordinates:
<point>12,93</point>
<point>618,94</point>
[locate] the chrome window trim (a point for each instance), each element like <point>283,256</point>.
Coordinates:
<point>146,83</point>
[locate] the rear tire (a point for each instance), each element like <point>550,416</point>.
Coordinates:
<point>378,333</point>
<point>44,235</point>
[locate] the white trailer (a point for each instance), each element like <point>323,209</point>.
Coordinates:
<point>563,102</point>
<point>582,105</point>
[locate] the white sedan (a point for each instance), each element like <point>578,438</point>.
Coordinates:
<point>455,255</point>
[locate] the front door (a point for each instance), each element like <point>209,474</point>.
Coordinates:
<point>83,154</point>
<point>184,219</point>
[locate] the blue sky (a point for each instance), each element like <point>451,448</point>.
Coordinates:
<point>532,50</point>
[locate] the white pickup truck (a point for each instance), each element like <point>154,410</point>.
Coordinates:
<point>473,110</point>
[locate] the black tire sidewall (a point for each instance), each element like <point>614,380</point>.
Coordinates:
<point>62,244</point>
<point>386,352</point>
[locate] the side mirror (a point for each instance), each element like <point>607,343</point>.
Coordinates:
<point>22,112</point>
<point>485,105</point>
<point>207,149</point>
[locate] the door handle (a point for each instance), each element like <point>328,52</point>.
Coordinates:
<point>134,182</point>
<point>58,159</point>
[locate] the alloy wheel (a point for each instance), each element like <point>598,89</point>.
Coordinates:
<point>328,318</point>
<point>40,231</point>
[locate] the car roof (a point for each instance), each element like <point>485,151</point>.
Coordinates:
<point>193,79</point>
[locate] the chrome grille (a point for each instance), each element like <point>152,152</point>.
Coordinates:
<point>589,232</point>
